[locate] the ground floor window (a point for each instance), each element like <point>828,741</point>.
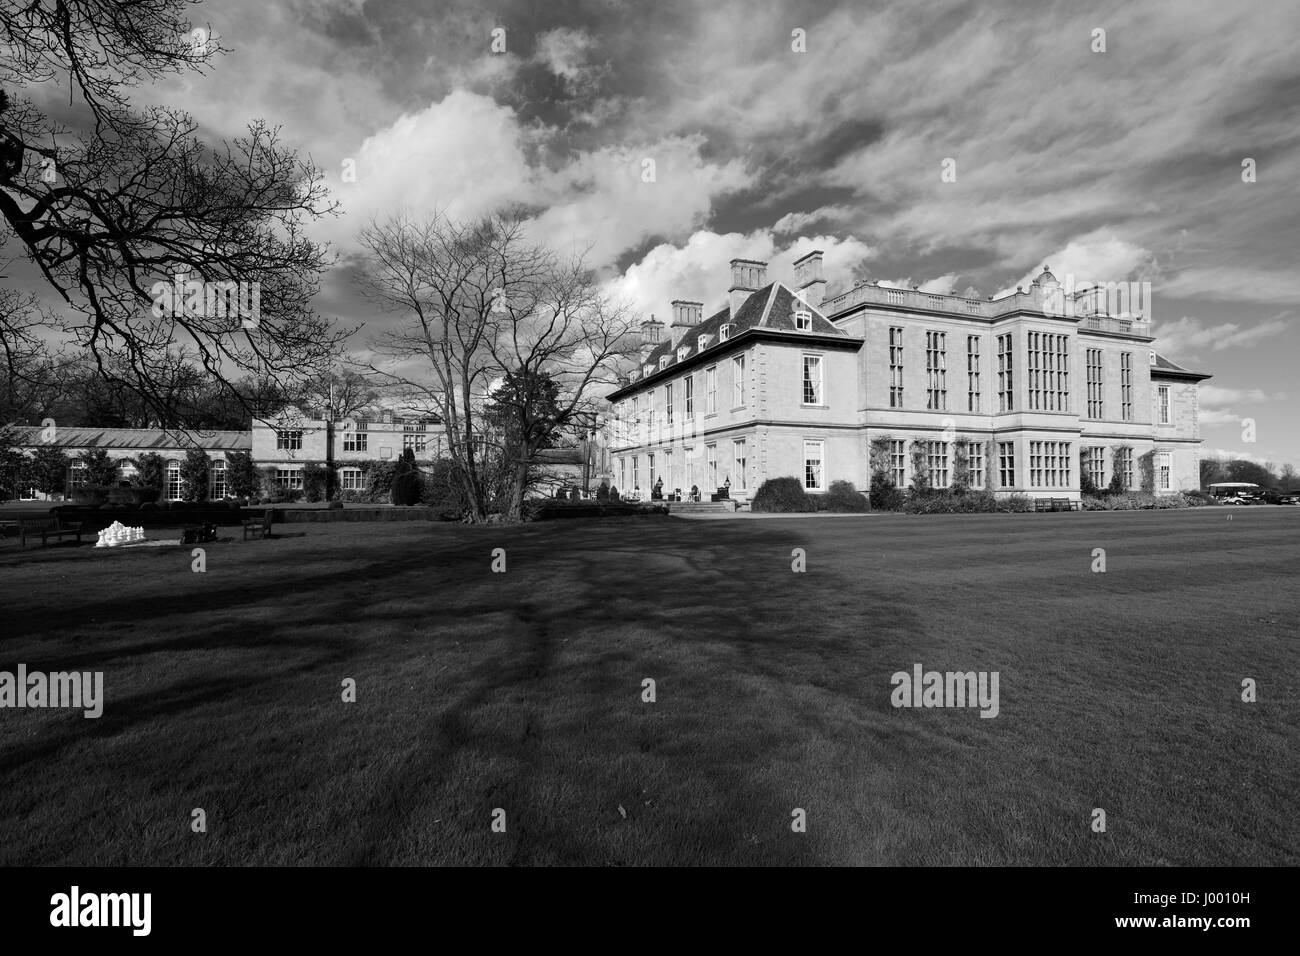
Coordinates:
<point>622,473</point>
<point>1049,464</point>
<point>290,479</point>
<point>814,461</point>
<point>711,465</point>
<point>975,463</point>
<point>217,482</point>
<point>1094,463</point>
<point>1007,464</point>
<point>937,461</point>
<point>689,454</point>
<point>77,474</point>
<point>898,463</point>
<point>669,473</point>
<point>126,469</point>
<point>1126,467</point>
<point>1164,471</point>
<point>352,479</point>
<point>636,471</point>
<point>173,480</point>
<point>738,450</point>
<point>650,469</point>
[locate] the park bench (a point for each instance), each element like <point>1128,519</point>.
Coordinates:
<point>51,527</point>
<point>1056,504</point>
<point>259,526</point>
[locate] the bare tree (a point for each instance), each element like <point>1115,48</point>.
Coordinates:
<point>113,215</point>
<point>479,302</point>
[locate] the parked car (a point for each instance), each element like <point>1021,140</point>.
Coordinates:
<point>1290,498</point>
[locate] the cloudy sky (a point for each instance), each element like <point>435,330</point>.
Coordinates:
<point>777,127</point>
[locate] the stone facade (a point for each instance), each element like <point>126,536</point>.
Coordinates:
<point>1045,391</point>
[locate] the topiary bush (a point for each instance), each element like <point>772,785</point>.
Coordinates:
<point>781,496</point>
<point>842,496</point>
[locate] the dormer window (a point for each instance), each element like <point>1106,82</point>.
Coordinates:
<point>724,333</point>
<point>802,320</point>
<point>663,361</point>
<point>634,374</point>
<point>682,352</point>
<point>1153,356</point>
<point>701,343</point>
<point>647,368</point>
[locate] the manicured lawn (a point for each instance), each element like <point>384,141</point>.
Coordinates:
<point>523,691</point>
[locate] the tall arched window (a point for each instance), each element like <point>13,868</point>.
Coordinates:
<point>173,480</point>
<point>217,483</point>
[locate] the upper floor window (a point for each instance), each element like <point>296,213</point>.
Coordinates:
<point>802,320</point>
<point>1126,386</point>
<point>355,439</point>
<point>724,333</point>
<point>936,362</point>
<point>812,380</point>
<point>288,440</point>
<point>1096,402</point>
<point>1162,403</point>
<point>711,390</point>
<point>972,373</point>
<point>1006,385</point>
<point>738,381</point>
<point>896,367</point>
<point>701,342</point>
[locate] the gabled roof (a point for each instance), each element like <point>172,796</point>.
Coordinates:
<point>89,437</point>
<point>1163,367</point>
<point>769,308</point>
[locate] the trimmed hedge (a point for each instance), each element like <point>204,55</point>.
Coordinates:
<point>1139,501</point>
<point>782,496</point>
<point>944,503</point>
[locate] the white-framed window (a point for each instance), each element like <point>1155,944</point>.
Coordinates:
<point>724,333</point>
<point>700,342</point>
<point>650,469</point>
<point>812,380</point>
<point>663,362</point>
<point>126,469</point>
<point>412,440</point>
<point>352,479</point>
<point>972,373</point>
<point>289,479</point>
<point>898,462</point>
<point>738,463</point>
<point>1007,464</point>
<point>814,465</point>
<point>1164,471</point>
<point>682,352</point>
<point>668,404</point>
<point>622,473</point>
<point>937,462</point>
<point>711,390</point>
<point>288,440</point>
<point>355,439</point>
<point>1095,396</point>
<point>670,474</point>
<point>711,465</point>
<point>217,480</point>
<point>1126,386</point>
<point>802,320</point>
<point>650,415</point>
<point>1162,404</point>
<point>77,474</point>
<point>738,381</point>
<point>975,462</point>
<point>636,471</point>
<point>690,397</point>
<point>1006,363</point>
<point>936,370</point>
<point>688,454</point>
<point>172,479</point>
<point>896,367</point>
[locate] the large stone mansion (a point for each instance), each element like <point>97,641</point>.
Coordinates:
<point>784,381</point>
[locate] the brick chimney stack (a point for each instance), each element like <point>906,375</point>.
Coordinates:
<point>808,278</point>
<point>686,315</point>
<point>747,277</point>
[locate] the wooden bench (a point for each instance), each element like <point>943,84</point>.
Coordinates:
<point>259,526</point>
<point>1056,504</point>
<point>51,527</point>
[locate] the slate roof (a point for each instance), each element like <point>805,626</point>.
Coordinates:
<point>768,308</point>
<point>1164,365</point>
<point>66,436</point>
<point>559,456</point>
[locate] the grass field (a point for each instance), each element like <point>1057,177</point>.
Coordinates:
<point>522,691</point>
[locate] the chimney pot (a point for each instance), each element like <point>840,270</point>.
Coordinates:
<point>747,277</point>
